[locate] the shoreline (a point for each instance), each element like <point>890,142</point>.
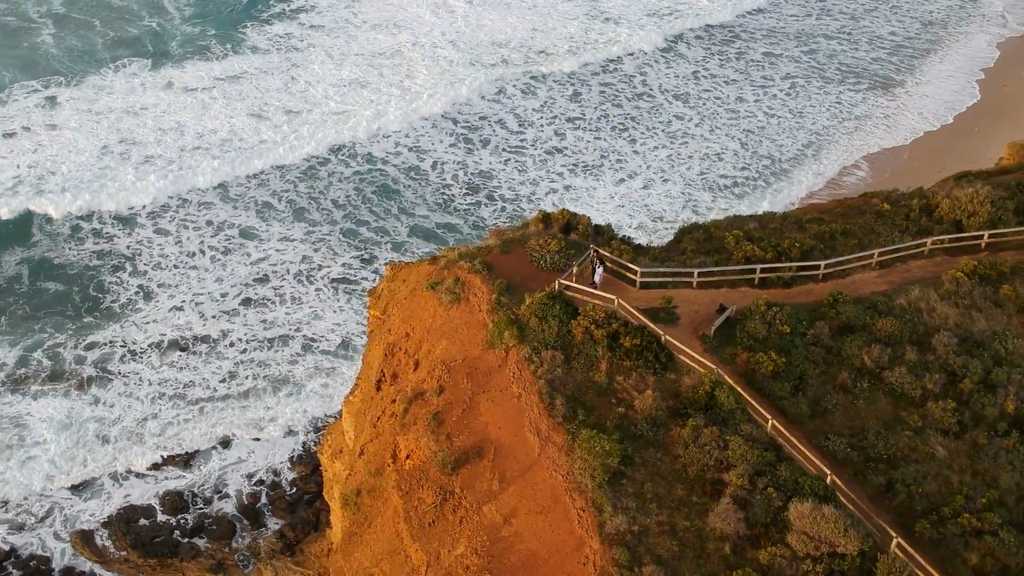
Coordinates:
<point>973,139</point>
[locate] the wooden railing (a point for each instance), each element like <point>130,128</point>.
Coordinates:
<point>803,454</point>
<point>644,277</point>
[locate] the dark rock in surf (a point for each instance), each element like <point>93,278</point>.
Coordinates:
<point>189,551</point>
<point>72,571</point>
<point>219,528</point>
<point>174,503</point>
<point>84,542</point>
<point>151,539</point>
<point>248,507</point>
<point>134,513</point>
<point>181,461</point>
<point>31,565</point>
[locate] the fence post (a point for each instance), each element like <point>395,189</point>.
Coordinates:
<point>821,272</point>
<point>757,275</point>
<point>874,262</point>
<point>771,422</point>
<point>573,274</point>
<point>928,247</point>
<point>638,279</point>
<point>694,278</point>
<point>616,302</point>
<point>984,241</point>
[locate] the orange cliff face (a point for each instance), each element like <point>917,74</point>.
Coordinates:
<point>445,460</point>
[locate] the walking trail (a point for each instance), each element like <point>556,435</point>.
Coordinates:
<point>698,309</point>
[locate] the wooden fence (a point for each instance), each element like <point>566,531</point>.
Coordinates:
<point>803,454</point>
<point>640,277</point>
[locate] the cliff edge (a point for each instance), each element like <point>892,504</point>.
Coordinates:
<point>445,460</point>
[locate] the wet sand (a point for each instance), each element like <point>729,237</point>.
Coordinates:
<point>974,139</point>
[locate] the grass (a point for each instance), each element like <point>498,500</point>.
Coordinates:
<point>449,289</point>
<point>412,398</point>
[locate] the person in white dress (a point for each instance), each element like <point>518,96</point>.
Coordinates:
<point>598,273</point>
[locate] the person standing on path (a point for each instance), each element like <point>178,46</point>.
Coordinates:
<point>598,273</point>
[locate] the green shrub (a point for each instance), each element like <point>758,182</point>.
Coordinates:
<point>890,564</point>
<point>410,399</point>
<point>350,500</point>
<point>819,529</point>
<point>549,253</point>
<point>604,337</point>
<point>763,323</point>
<point>547,319</point>
<point>699,448</point>
<point>742,251</point>
<point>888,330</point>
<point>640,350</point>
<point>503,331</point>
<point>726,519</point>
<point>445,461</point>
<point>664,312</point>
<point>435,420</point>
<point>942,415</point>
<point>548,365</point>
<point>563,222</point>
<point>597,457</point>
<point>766,364</point>
<point>448,289</point>
<point>971,273</point>
<point>968,207</point>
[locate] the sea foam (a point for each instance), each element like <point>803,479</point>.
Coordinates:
<point>336,72</point>
<point>253,199</point>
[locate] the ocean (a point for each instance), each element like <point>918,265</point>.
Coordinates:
<point>195,195</point>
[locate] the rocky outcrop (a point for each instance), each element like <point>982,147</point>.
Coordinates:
<point>184,533</point>
<point>1013,153</point>
<point>12,562</point>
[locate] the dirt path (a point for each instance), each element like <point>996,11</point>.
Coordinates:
<point>697,307</point>
<point>698,310</point>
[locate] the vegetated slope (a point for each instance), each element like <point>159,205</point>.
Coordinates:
<point>684,480</point>
<point>444,460</point>
<point>918,393</point>
<point>966,202</point>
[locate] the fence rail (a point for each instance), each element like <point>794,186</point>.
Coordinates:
<point>776,429</point>
<point>696,276</point>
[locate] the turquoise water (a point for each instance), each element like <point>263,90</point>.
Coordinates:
<point>74,38</point>
<point>236,176</point>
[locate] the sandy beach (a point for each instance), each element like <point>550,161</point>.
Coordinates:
<point>974,139</point>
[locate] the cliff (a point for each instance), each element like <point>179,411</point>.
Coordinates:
<point>445,460</point>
